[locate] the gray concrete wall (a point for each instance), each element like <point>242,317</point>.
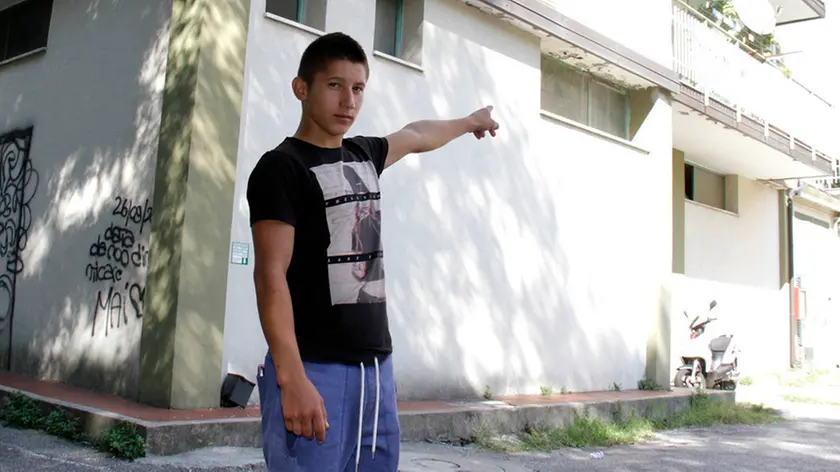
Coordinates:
<point>94,99</point>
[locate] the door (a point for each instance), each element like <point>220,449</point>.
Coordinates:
<point>18,182</point>
<point>815,251</point>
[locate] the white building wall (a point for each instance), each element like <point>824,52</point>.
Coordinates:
<point>94,101</point>
<point>511,263</point>
<point>734,259</point>
<point>816,252</point>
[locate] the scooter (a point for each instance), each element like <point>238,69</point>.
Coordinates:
<point>708,366</point>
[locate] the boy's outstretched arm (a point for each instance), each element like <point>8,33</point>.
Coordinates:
<point>428,135</point>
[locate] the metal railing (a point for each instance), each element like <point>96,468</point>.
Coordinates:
<point>713,61</point>
<point>830,184</point>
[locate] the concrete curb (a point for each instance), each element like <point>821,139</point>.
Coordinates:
<point>164,437</point>
<point>454,424</point>
<point>460,424</point>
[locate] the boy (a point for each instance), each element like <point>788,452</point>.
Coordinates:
<point>327,387</point>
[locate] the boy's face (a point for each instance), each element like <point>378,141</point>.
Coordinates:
<point>334,98</point>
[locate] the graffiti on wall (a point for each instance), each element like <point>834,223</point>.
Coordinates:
<point>118,260</point>
<point>18,183</point>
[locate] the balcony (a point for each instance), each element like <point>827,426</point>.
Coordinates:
<point>735,85</point>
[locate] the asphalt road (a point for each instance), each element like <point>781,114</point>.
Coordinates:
<point>802,446</point>
<point>29,451</point>
<point>808,441</point>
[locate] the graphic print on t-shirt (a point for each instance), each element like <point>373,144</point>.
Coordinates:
<point>352,199</point>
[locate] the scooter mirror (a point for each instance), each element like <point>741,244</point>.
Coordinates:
<point>713,304</point>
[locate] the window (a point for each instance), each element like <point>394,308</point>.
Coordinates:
<point>388,27</point>
<point>581,97</point>
<point>711,189</point>
<point>24,27</point>
<point>398,29</point>
<point>312,13</point>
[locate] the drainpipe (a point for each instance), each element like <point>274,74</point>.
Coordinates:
<point>790,274</point>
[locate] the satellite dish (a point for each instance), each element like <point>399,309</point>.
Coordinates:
<point>757,15</point>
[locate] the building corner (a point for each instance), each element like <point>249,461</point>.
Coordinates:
<point>182,337</point>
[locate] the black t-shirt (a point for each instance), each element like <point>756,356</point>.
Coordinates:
<point>336,277</point>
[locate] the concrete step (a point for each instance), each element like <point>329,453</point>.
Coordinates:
<point>176,431</point>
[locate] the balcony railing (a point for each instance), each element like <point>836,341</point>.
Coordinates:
<point>712,61</point>
<point>831,184</point>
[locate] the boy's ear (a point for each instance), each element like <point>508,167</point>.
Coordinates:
<point>300,88</point>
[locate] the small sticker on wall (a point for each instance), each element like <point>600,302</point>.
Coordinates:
<point>239,253</point>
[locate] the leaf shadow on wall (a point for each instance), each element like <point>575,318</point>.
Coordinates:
<point>87,250</point>
<point>477,268</point>
<point>195,214</point>
<point>476,263</point>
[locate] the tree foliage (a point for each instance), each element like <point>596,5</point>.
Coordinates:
<point>722,13</point>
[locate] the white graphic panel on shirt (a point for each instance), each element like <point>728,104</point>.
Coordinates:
<point>352,199</point>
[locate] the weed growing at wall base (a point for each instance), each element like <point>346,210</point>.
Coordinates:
<point>596,432</point>
<point>20,411</point>
<point>649,384</point>
<point>704,412</point>
<point>123,440</point>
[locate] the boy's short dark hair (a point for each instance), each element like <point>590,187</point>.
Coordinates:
<point>327,48</point>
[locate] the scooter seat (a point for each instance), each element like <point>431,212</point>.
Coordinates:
<point>720,343</point>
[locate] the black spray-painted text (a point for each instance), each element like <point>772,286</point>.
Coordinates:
<point>115,257</point>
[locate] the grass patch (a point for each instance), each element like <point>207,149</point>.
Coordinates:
<point>589,431</point>
<point>20,411</point>
<point>704,412</point>
<point>583,432</point>
<point>123,441</point>
<point>59,424</point>
<point>809,399</point>
<point>596,432</point>
<point>486,438</point>
<point>23,412</point>
<point>802,378</point>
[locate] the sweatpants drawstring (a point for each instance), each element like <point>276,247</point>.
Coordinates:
<point>375,409</point>
<point>362,413</point>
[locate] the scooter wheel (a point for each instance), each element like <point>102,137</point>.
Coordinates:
<point>683,379</point>
<point>698,383</point>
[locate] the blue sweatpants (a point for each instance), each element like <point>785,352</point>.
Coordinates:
<point>340,387</point>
